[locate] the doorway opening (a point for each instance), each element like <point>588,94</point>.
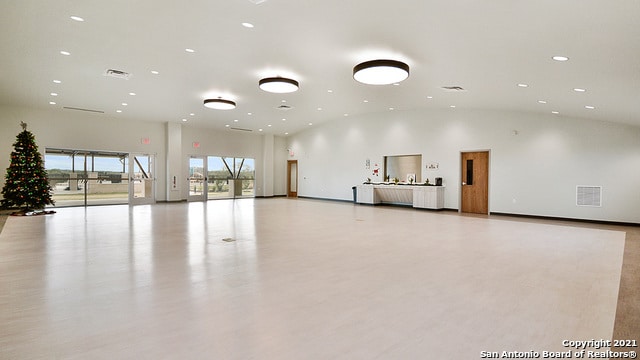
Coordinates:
<point>292,178</point>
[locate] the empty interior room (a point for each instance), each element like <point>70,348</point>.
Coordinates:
<point>264,179</point>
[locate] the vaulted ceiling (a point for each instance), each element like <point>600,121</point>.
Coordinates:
<point>499,52</point>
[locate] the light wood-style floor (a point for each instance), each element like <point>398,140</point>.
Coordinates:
<point>302,279</point>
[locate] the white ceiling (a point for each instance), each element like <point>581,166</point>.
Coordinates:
<point>486,47</point>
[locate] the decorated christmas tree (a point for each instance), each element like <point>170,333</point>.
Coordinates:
<point>26,183</point>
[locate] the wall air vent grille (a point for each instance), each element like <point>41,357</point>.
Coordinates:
<point>589,195</point>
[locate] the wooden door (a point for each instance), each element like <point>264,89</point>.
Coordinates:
<point>475,182</point>
<point>292,178</point>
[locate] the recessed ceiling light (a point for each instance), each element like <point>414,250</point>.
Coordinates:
<point>541,102</point>
<point>286,133</point>
<point>57,81</point>
<point>391,108</point>
<point>118,111</point>
<point>227,125</point>
<point>555,112</point>
<point>269,125</point>
<point>365,101</point>
<point>310,124</point>
<point>132,94</point>
<point>579,90</point>
<point>452,106</point>
<point>52,102</point>
<point>63,52</point>
<point>235,120</point>
<point>189,50</point>
<point>54,94</point>
<point>154,72</point>
<point>283,119</point>
<point>77,18</point>
<point>124,104</point>
<point>560,58</point>
<point>259,129</point>
<point>346,114</point>
<point>523,85</point>
<point>192,114</point>
<point>247,25</point>
<point>184,120</point>
<point>429,97</point>
<point>396,84</point>
<point>319,109</point>
<point>329,91</point>
<point>590,107</point>
<point>249,114</point>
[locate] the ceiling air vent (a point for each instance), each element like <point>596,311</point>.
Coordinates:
<point>589,195</point>
<point>81,109</point>
<point>117,74</point>
<point>239,129</point>
<point>284,107</point>
<point>453,89</point>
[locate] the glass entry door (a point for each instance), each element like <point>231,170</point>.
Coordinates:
<point>142,179</point>
<point>197,180</point>
<point>220,177</point>
<point>230,177</point>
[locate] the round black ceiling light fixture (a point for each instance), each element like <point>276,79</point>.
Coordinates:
<point>381,72</point>
<point>219,104</point>
<point>278,85</point>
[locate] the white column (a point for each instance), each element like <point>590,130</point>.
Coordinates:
<point>174,167</point>
<point>267,165</point>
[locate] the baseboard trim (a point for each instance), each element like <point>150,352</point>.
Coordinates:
<point>558,218</point>
<point>269,197</point>
<point>325,199</point>
<point>541,217</point>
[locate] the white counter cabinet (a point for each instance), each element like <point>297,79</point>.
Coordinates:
<point>366,194</point>
<point>428,197</point>
<point>424,197</point>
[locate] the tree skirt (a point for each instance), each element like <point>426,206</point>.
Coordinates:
<point>31,212</point>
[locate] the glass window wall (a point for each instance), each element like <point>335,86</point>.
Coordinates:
<point>80,177</point>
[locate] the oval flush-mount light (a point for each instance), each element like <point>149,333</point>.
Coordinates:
<point>381,72</point>
<point>219,104</point>
<point>278,85</point>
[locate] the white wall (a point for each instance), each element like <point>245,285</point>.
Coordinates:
<point>81,130</point>
<point>70,129</point>
<point>533,172</point>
